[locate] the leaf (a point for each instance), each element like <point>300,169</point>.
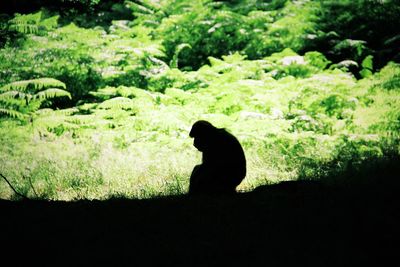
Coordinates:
<point>12,113</point>
<point>26,23</point>
<point>36,84</point>
<point>25,28</point>
<point>105,93</point>
<point>12,94</point>
<point>117,103</point>
<point>365,73</point>
<point>67,111</point>
<point>367,63</point>
<point>178,49</point>
<point>137,8</point>
<point>152,4</point>
<point>51,93</point>
<point>50,23</point>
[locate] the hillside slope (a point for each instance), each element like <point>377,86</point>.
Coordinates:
<point>302,223</point>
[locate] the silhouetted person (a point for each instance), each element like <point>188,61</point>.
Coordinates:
<point>223,165</point>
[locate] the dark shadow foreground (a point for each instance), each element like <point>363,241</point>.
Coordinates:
<point>289,224</point>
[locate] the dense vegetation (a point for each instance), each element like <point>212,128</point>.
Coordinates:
<point>97,97</point>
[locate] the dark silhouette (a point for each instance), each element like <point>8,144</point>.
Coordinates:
<point>223,165</point>
<point>347,219</point>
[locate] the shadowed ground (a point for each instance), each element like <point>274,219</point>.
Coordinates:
<point>289,224</point>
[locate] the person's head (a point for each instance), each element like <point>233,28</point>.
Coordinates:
<point>202,132</point>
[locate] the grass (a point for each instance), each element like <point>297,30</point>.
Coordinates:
<point>86,163</point>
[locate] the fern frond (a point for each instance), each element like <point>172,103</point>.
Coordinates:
<point>151,23</point>
<point>138,9</point>
<point>178,49</point>
<point>105,93</point>
<point>117,103</point>
<point>27,96</point>
<point>12,94</point>
<point>126,91</point>
<point>152,4</point>
<point>154,50</point>
<point>51,93</point>
<point>66,111</point>
<point>36,84</point>
<point>12,113</point>
<point>44,112</point>
<point>50,23</point>
<point>25,28</point>
<point>33,23</point>
<point>26,23</point>
<point>133,92</point>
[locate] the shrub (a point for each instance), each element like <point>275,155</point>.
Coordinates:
<point>208,32</point>
<point>364,20</point>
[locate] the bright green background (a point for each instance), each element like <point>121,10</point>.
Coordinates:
<point>310,88</point>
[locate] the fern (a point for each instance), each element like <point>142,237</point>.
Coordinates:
<point>139,9</point>
<point>12,113</point>
<point>35,84</point>
<point>67,111</point>
<point>33,23</point>
<point>51,93</point>
<point>105,93</point>
<point>12,94</point>
<point>26,23</point>
<point>178,49</point>
<point>149,13</point>
<point>145,6</point>
<point>117,103</point>
<point>33,92</point>
<point>50,23</point>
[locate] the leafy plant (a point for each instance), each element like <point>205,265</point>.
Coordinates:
<point>69,64</point>
<point>178,49</point>
<point>373,23</point>
<point>266,70</point>
<point>33,23</point>
<point>26,97</point>
<point>389,77</point>
<point>367,66</point>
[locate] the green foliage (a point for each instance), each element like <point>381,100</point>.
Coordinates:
<point>389,77</point>
<point>294,26</point>
<point>367,62</point>
<point>9,112</point>
<point>367,67</point>
<point>216,29</point>
<point>317,60</point>
<point>71,65</point>
<point>290,127</point>
<point>117,103</point>
<point>37,84</point>
<point>27,96</point>
<point>33,23</point>
<point>178,49</point>
<point>208,32</point>
<point>288,63</point>
<point>362,24</point>
<point>267,71</point>
<point>85,2</point>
